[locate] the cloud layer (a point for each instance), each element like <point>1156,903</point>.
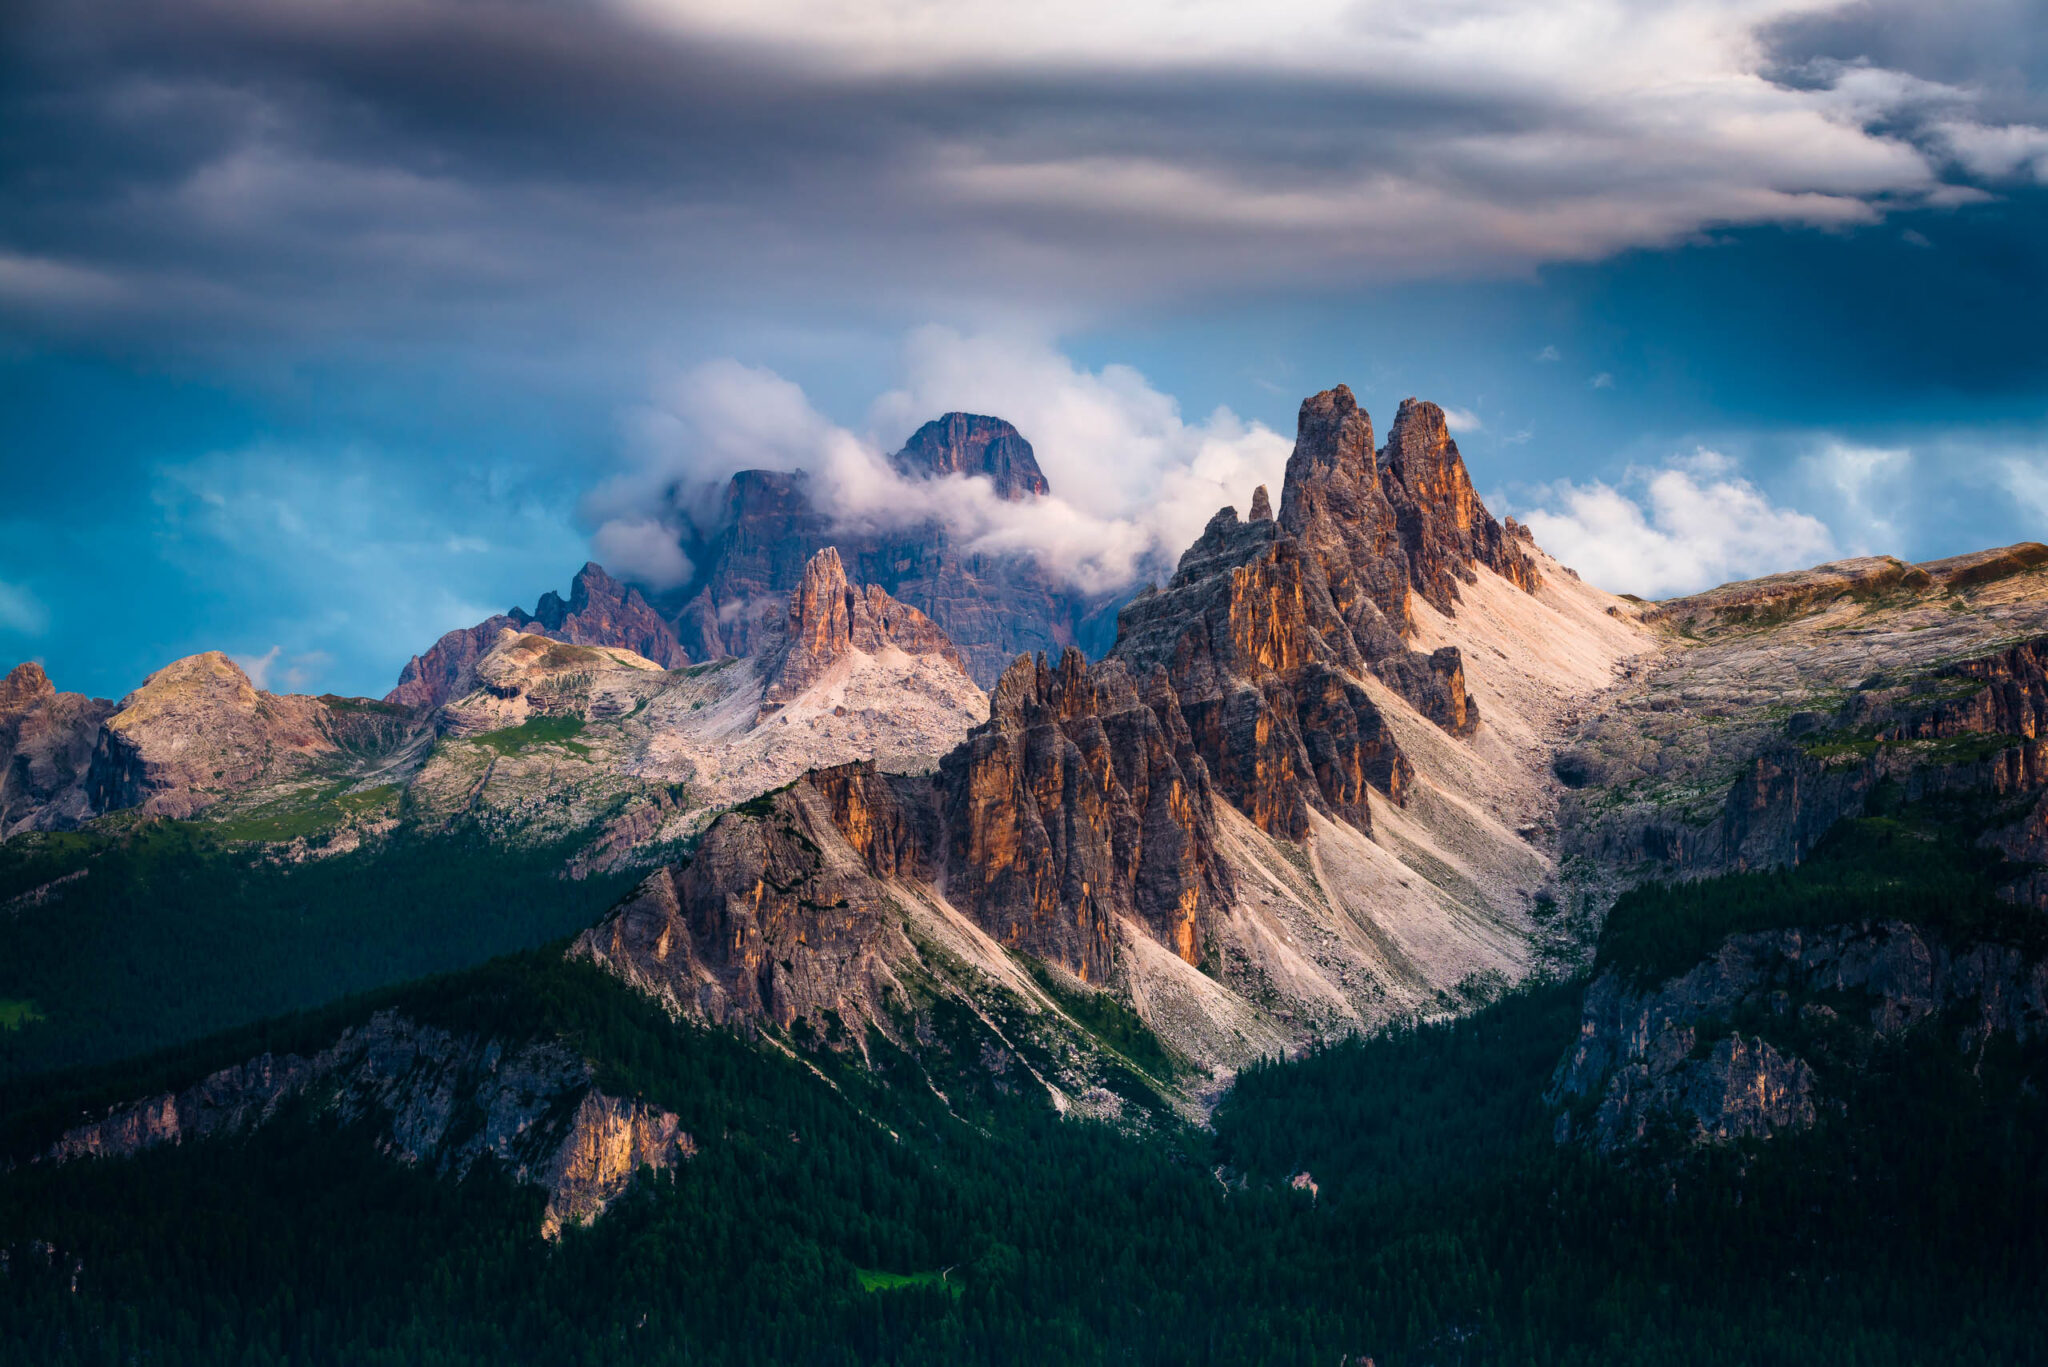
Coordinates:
<point>1675,529</point>
<point>535,173</point>
<point>1132,479</point>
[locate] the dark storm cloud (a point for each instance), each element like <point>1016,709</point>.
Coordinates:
<point>509,171</point>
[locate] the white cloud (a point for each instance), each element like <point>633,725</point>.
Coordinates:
<point>1462,420</point>
<point>1869,486</point>
<point>643,550</point>
<point>258,667</point>
<point>1132,479</point>
<point>1601,381</point>
<point>1694,523</point>
<point>1549,353</point>
<point>2006,152</point>
<point>2026,479</point>
<point>21,611</point>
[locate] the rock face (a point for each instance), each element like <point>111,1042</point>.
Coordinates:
<point>775,917</point>
<point>525,675</point>
<point>1082,805</point>
<point>196,731</point>
<point>1971,726</point>
<point>431,1098</point>
<point>1695,1056</point>
<point>971,445</point>
<point>1111,815</point>
<point>828,620</point>
<point>992,607</point>
<point>600,611</point>
<point>46,747</point>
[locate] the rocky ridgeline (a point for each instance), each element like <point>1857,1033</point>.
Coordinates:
<point>1085,818</point>
<point>600,611</point>
<point>433,1099</point>
<point>196,733</point>
<point>1743,751</point>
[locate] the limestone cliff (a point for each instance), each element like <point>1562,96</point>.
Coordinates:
<point>46,747</point>
<point>429,1098</point>
<point>1712,1055</point>
<point>829,620</point>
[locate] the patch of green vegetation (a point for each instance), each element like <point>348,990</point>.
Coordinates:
<point>1111,1022</point>
<point>536,731</point>
<point>15,1013</point>
<point>306,814</point>
<point>874,1279</point>
<point>709,667</point>
<point>336,703</point>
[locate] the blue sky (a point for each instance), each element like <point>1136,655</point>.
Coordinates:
<point>325,328</point>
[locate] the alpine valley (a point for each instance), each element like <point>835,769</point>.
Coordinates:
<point>1368,944</point>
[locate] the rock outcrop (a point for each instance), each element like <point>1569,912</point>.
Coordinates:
<point>600,611</point>
<point>46,747</point>
<point>525,675</point>
<point>1973,726</point>
<point>197,731</point>
<point>1710,1056</point>
<point>776,917</point>
<point>993,607</point>
<point>828,619</point>
<point>1082,805</point>
<point>430,1098</point>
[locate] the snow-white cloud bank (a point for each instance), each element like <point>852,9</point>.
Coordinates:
<point>1687,525</point>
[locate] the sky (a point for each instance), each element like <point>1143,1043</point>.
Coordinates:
<point>330,325</point>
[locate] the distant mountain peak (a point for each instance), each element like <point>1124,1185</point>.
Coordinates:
<point>972,444</point>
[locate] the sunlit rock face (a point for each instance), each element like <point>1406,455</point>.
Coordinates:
<point>1103,813</point>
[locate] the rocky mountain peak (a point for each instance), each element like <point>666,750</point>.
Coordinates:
<point>25,685</point>
<point>1333,436</point>
<point>829,618</point>
<point>971,444</point>
<point>600,611</point>
<point>1262,505</point>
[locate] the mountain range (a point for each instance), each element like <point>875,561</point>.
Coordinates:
<point>931,824</point>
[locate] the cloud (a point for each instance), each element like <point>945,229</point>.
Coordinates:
<point>642,550</point>
<point>246,167</point>
<point>258,667</point>
<point>2025,478</point>
<point>21,611</point>
<point>299,671</point>
<point>1549,353</point>
<point>1133,480</point>
<point>1462,420</point>
<point>1870,487</point>
<point>1603,380</point>
<point>1688,525</point>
